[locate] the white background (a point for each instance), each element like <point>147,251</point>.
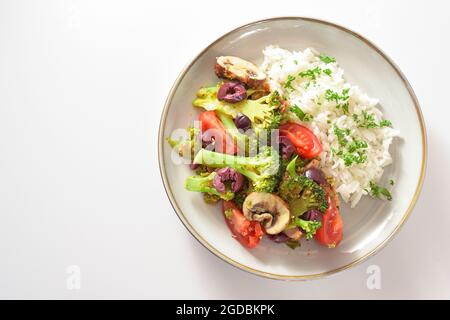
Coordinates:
<point>82,87</point>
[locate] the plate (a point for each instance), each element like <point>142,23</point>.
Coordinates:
<point>369,226</point>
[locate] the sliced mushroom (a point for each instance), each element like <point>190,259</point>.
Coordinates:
<point>235,68</point>
<point>269,209</point>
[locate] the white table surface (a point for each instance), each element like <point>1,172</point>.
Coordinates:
<point>82,86</point>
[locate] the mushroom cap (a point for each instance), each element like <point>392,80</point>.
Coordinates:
<point>235,68</point>
<point>269,209</point>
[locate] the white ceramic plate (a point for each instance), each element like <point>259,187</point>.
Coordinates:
<point>369,226</point>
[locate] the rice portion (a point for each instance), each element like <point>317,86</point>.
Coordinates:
<point>349,124</point>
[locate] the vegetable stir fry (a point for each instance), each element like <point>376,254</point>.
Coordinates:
<point>262,166</point>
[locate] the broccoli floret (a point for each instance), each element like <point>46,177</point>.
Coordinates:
<point>309,227</point>
<point>263,130</point>
<point>203,183</point>
<point>299,163</point>
<point>303,194</point>
<point>262,112</point>
<point>262,169</point>
<point>187,147</point>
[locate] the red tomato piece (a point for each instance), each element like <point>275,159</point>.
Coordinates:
<point>330,234</point>
<point>248,233</point>
<point>304,140</point>
<point>211,122</point>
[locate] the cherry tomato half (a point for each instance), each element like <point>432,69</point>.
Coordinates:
<point>247,232</point>
<point>330,234</point>
<point>304,140</point>
<point>211,122</point>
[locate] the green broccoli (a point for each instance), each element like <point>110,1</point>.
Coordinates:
<point>299,163</point>
<point>262,169</point>
<point>262,112</point>
<point>303,194</point>
<point>263,130</point>
<point>309,227</point>
<point>203,183</point>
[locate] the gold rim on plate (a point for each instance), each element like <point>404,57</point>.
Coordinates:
<point>268,274</point>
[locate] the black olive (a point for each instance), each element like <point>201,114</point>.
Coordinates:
<point>316,174</point>
<point>232,92</point>
<point>242,122</point>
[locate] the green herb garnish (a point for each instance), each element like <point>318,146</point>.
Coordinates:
<point>385,123</point>
<point>326,59</point>
<point>341,99</point>
<point>288,83</point>
<point>311,73</point>
<point>340,135</point>
<point>350,152</point>
<point>357,144</point>
<point>300,113</point>
<point>379,192</point>
<point>327,72</point>
<point>351,158</point>
<point>368,121</point>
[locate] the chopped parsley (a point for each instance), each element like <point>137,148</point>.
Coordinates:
<point>368,121</point>
<point>351,158</point>
<point>385,123</point>
<point>295,61</point>
<point>275,99</point>
<point>326,59</point>
<point>311,73</point>
<point>340,135</point>
<point>379,192</point>
<point>356,145</point>
<point>300,113</point>
<point>341,99</point>
<point>344,107</point>
<point>350,152</point>
<point>288,83</point>
<point>391,182</point>
<point>327,72</point>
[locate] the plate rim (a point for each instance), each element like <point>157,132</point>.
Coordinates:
<point>270,275</point>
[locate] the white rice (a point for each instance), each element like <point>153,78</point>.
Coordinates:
<point>351,181</point>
